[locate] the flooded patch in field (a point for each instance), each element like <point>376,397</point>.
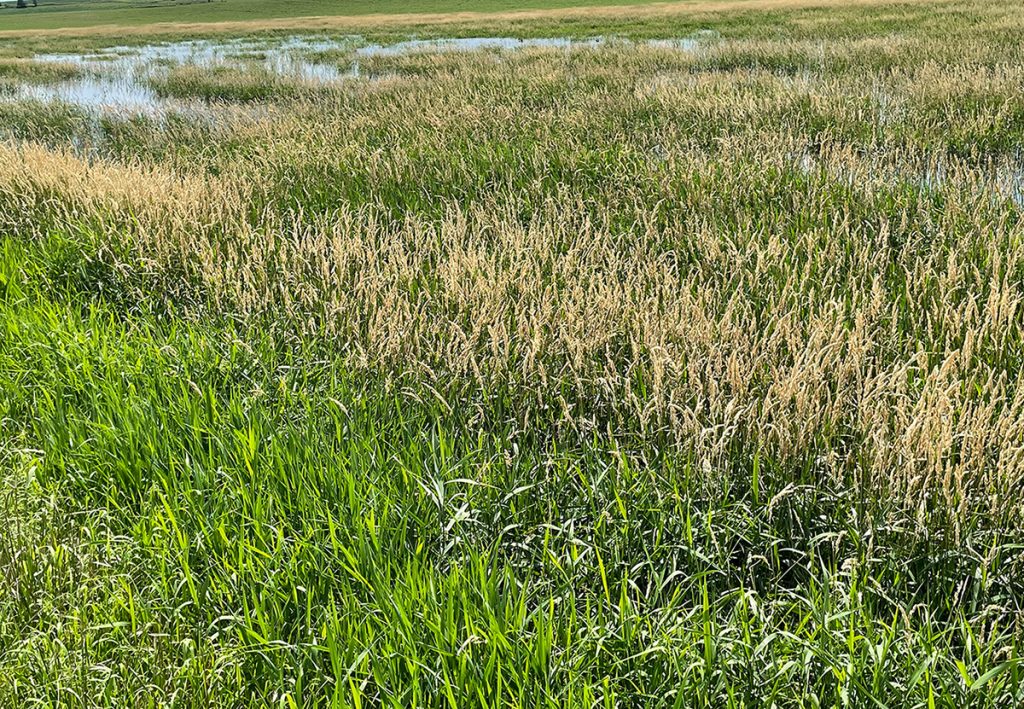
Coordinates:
<point>1010,184</point>
<point>1002,180</point>
<point>473,44</point>
<point>286,56</point>
<point>121,78</point>
<point>93,92</point>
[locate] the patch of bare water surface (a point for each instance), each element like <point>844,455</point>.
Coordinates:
<point>118,79</point>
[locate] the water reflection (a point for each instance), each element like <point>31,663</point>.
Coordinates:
<point>470,44</point>
<point>118,78</point>
<point>122,93</point>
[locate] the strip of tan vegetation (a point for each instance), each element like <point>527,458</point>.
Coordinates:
<point>399,20</point>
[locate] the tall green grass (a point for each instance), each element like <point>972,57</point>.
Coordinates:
<point>197,510</point>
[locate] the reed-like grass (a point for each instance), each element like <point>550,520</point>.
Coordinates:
<point>615,376</point>
<point>227,83</point>
<point>29,71</point>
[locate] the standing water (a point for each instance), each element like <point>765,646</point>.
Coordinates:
<point>117,78</point>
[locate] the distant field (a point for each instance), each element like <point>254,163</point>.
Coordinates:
<point>51,14</point>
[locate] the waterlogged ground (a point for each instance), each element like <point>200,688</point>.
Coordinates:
<point>119,79</point>
<point>133,80</point>
<point>1002,178</point>
<point>127,79</point>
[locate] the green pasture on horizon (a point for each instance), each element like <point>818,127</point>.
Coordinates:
<point>52,14</point>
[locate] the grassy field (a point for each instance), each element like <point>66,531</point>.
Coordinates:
<point>56,14</point>
<point>617,376</point>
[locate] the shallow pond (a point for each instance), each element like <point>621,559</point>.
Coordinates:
<point>118,78</point>
<point>122,93</point>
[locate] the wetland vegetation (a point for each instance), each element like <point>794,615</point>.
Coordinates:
<point>675,366</point>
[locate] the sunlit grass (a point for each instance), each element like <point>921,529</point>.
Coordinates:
<point>226,84</point>
<point>615,376</point>
<point>28,71</point>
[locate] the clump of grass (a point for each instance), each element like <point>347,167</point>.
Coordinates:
<point>37,72</point>
<point>224,83</point>
<point>248,55</point>
<point>51,123</point>
<point>340,56</point>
